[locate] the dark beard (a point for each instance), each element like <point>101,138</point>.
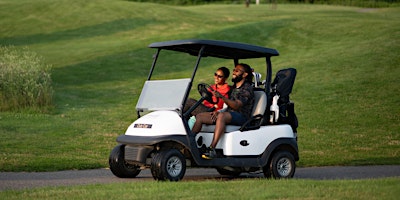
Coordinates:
<point>237,78</point>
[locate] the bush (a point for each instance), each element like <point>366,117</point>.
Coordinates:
<point>25,81</point>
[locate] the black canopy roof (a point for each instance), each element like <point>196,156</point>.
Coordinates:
<point>217,48</point>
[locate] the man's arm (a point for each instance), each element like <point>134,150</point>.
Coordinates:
<point>234,104</point>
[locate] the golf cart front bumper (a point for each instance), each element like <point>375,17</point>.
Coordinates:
<point>138,148</point>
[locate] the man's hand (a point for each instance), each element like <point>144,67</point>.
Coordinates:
<point>214,116</point>
<point>217,94</point>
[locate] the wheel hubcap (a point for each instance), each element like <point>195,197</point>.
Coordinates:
<point>174,166</point>
<point>284,167</point>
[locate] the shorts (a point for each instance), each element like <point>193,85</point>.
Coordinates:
<point>237,118</point>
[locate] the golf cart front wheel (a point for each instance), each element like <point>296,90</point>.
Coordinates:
<point>119,167</point>
<point>282,165</point>
<point>168,165</point>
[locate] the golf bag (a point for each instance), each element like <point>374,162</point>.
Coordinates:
<point>282,86</point>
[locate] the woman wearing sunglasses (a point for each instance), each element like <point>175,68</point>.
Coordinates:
<point>220,85</point>
<point>220,77</point>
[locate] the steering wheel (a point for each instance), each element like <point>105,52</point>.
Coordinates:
<point>205,92</point>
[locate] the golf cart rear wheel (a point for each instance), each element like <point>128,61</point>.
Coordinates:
<point>282,165</point>
<point>118,166</point>
<point>168,165</point>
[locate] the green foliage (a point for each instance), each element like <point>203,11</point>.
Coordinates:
<point>25,80</point>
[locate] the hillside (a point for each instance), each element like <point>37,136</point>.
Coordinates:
<point>347,89</point>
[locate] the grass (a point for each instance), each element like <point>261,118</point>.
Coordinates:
<point>25,81</point>
<point>346,91</point>
<point>236,189</point>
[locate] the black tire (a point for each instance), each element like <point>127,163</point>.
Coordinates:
<point>118,166</point>
<point>282,165</point>
<point>267,171</point>
<point>168,165</point>
<point>235,172</point>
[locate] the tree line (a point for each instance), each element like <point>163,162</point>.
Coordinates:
<point>359,3</point>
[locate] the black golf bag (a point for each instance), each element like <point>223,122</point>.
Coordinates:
<point>282,86</point>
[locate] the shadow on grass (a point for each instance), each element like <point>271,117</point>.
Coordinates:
<point>109,76</point>
<point>107,28</point>
<point>132,65</point>
<point>106,81</point>
<point>256,33</point>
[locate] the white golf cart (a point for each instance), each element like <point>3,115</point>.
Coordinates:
<point>162,140</point>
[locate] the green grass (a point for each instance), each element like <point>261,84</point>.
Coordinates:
<point>235,189</point>
<point>25,81</point>
<point>346,91</point>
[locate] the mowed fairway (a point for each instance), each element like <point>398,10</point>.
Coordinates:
<point>347,91</point>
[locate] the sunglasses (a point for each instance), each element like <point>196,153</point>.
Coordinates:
<point>219,76</point>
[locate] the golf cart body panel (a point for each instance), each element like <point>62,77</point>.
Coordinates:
<point>160,139</point>
<point>238,143</point>
<point>157,123</point>
<point>152,140</point>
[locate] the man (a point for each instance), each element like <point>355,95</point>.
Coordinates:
<point>240,104</point>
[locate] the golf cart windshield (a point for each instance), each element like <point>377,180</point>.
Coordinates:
<point>162,95</point>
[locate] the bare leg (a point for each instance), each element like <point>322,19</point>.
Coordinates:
<point>201,118</point>
<point>223,119</point>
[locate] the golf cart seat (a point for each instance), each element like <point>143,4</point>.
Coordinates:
<point>260,104</point>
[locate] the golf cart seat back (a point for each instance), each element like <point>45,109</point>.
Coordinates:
<point>260,104</point>
<point>282,86</point>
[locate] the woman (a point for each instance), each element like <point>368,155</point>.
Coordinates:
<point>220,85</point>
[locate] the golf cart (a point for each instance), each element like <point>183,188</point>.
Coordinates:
<point>161,139</point>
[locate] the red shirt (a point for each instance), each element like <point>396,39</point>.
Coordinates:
<point>224,89</point>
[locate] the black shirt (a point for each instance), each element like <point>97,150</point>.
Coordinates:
<point>244,94</point>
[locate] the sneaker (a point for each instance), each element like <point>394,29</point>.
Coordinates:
<point>209,154</point>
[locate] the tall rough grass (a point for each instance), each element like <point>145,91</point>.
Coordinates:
<point>25,81</point>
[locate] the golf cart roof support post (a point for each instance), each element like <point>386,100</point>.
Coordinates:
<point>269,75</point>
<point>196,66</point>
<point>155,57</point>
<point>235,62</point>
<point>268,86</point>
<point>200,54</point>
